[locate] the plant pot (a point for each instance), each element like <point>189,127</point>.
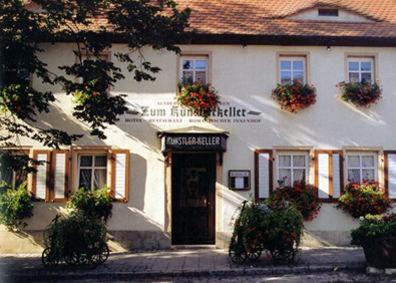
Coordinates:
<point>381,252</point>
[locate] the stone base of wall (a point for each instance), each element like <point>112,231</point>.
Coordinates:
<point>119,241</point>
<point>22,242</point>
<point>316,239</point>
<point>139,240</point>
<point>123,241</point>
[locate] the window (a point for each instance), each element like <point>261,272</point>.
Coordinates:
<point>292,68</point>
<point>292,167</point>
<point>92,171</point>
<point>8,175</point>
<point>361,69</point>
<point>327,12</point>
<point>194,69</point>
<point>361,167</point>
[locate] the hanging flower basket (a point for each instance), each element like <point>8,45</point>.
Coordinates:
<point>360,199</point>
<point>202,99</point>
<point>295,96</point>
<point>361,94</point>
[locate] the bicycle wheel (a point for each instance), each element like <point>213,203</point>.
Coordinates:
<point>100,255</point>
<point>254,254</point>
<point>237,253</point>
<point>48,258</point>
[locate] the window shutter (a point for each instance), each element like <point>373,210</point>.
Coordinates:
<point>120,174</point>
<point>390,174</point>
<point>60,173</point>
<point>338,169</point>
<point>41,178</point>
<point>328,173</point>
<point>263,173</point>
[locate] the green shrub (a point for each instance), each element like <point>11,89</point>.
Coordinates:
<point>75,239</point>
<point>276,228</point>
<point>15,206</point>
<point>284,230</point>
<point>93,203</point>
<point>361,199</point>
<point>373,227</point>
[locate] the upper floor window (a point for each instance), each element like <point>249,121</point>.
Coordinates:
<point>194,69</point>
<point>92,171</point>
<point>292,167</point>
<point>361,69</point>
<point>362,167</point>
<point>292,68</point>
<point>327,12</point>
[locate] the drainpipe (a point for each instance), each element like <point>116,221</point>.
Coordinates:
<point>1,64</point>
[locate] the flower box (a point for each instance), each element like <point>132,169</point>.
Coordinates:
<point>295,96</point>
<point>202,99</point>
<point>362,94</point>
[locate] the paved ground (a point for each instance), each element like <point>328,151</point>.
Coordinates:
<point>288,278</point>
<point>202,265</point>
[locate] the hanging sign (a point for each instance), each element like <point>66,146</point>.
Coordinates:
<point>194,142</point>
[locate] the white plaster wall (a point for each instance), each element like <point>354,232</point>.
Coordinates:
<point>244,76</point>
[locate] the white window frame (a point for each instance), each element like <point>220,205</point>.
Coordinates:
<point>292,59</point>
<point>360,167</point>
<point>92,167</point>
<point>361,60</point>
<point>292,167</point>
<point>194,58</point>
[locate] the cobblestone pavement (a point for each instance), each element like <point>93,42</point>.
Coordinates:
<point>289,278</point>
<point>190,262</point>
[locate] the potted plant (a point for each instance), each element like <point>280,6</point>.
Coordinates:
<point>360,199</point>
<point>295,96</point>
<point>362,94</point>
<point>202,99</point>
<point>377,235</point>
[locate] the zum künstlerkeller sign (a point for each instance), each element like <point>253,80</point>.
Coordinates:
<point>194,142</point>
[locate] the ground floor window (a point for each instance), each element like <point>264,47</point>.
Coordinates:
<point>9,175</point>
<point>291,167</point>
<point>92,171</point>
<point>362,167</point>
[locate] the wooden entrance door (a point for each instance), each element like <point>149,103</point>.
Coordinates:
<point>193,198</point>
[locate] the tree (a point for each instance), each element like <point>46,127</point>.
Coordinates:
<point>138,23</point>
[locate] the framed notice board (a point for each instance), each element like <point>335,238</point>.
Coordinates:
<point>239,180</point>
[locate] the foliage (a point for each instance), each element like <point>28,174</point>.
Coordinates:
<point>362,199</point>
<point>75,239</point>
<point>295,96</point>
<point>200,98</point>
<point>372,227</point>
<point>15,206</point>
<point>93,203</point>
<point>377,235</point>
<point>362,94</point>
<point>156,24</point>
<point>276,228</point>
<point>303,196</point>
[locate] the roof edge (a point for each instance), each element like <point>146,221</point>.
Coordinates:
<point>257,39</point>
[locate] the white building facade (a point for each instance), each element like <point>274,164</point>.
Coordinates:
<point>179,179</point>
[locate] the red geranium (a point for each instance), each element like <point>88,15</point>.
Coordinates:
<point>200,98</point>
<point>360,94</point>
<point>303,196</point>
<point>360,199</point>
<point>295,96</point>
